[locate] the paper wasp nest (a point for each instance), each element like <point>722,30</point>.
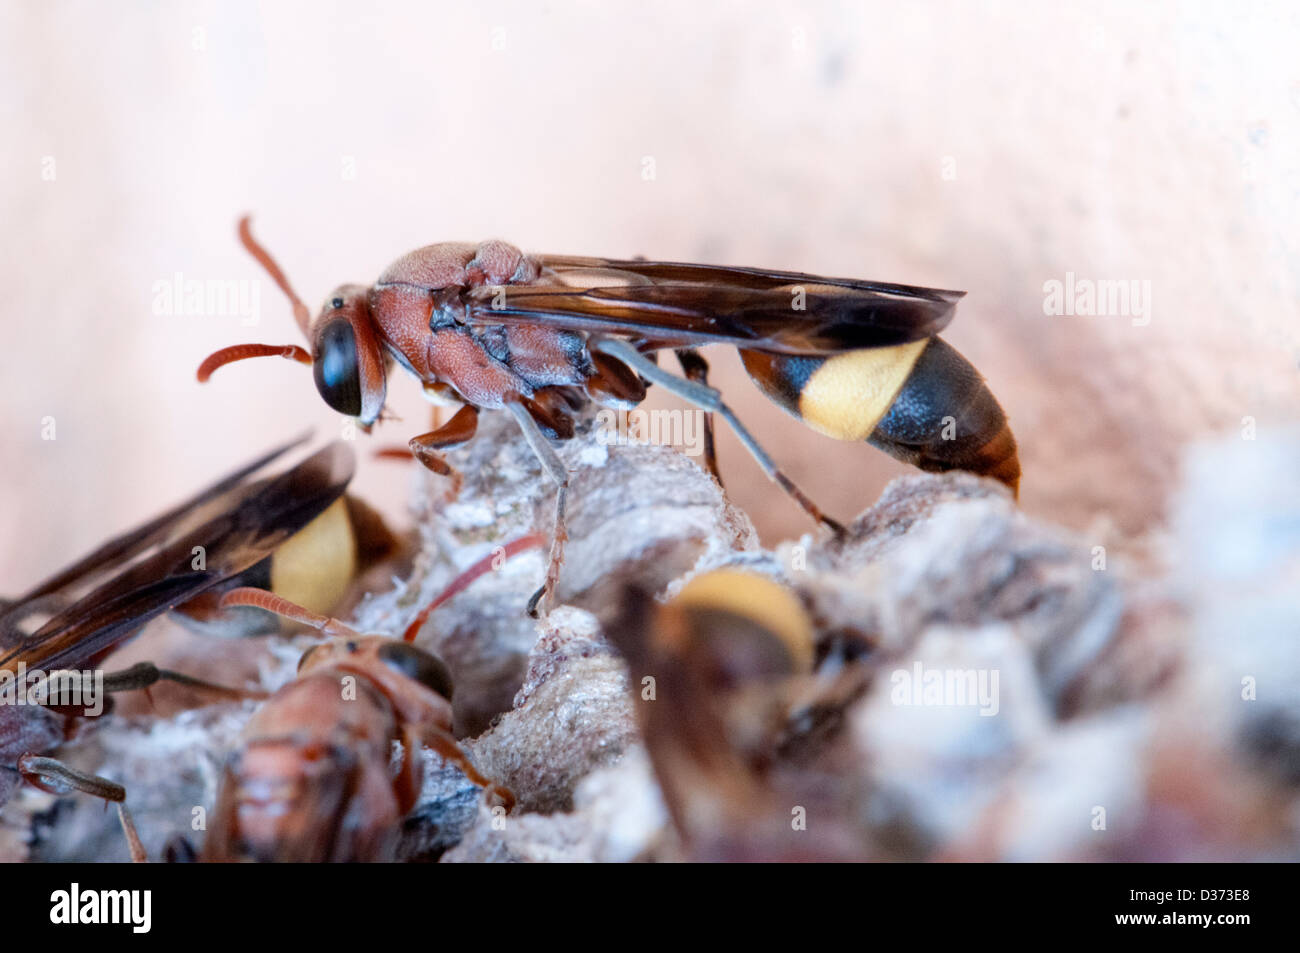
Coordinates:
<point>1122,702</point>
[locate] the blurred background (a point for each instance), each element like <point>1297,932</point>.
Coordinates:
<point>991,147</point>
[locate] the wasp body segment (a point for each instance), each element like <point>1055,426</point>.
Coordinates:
<point>747,615</point>
<point>313,781</point>
<point>922,403</point>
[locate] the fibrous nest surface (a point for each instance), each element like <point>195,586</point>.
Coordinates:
<point>1121,703</point>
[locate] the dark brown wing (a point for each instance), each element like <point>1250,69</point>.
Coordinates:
<point>135,541</point>
<point>237,537</point>
<point>673,305</point>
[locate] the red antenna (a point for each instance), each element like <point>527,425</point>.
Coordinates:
<point>465,579</point>
<point>242,352</point>
<point>300,312</point>
<point>261,599</point>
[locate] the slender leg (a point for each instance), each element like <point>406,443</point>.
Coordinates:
<point>449,749</point>
<point>54,776</point>
<point>541,601</point>
<point>696,369</point>
<point>144,675</point>
<point>178,850</point>
<point>466,578</point>
<point>706,398</point>
<point>410,778</point>
<point>460,429</point>
<point>404,453</point>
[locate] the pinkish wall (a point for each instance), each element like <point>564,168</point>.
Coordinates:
<point>990,147</point>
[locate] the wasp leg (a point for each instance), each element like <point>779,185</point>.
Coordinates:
<point>404,453</point>
<point>540,603</point>
<point>707,398</point>
<point>449,749</point>
<point>460,429</point>
<point>178,850</point>
<point>613,384</point>
<point>144,675</point>
<point>54,776</point>
<point>551,410</point>
<point>696,369</point>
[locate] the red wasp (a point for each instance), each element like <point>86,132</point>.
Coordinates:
<point>313,780</point>
<point>540,335</point>
<point>239,531</point>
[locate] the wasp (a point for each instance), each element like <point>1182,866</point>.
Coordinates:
<point>488,327</point>
<point>296,532</point>
<point>718,673</point>
<point>307,541</point>
<point>314,780</point>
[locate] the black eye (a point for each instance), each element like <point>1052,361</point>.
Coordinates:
<point>336,303</point>
<point>338,378</point>
<point>418,665</point>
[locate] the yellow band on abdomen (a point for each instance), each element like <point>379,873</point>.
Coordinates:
<point>759,599</point>
<point>846,397</point>
<point>315,566</point>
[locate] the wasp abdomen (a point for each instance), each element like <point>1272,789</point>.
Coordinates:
<point>921,402</point>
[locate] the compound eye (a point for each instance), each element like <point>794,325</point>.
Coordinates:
<point>335,368</point>
<point>418,665</point>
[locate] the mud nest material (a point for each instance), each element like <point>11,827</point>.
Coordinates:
<point>1132,708</point>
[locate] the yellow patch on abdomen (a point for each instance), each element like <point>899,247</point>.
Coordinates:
<point>846,397</point>
<point>315,565</point>
<point>757,598</point>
